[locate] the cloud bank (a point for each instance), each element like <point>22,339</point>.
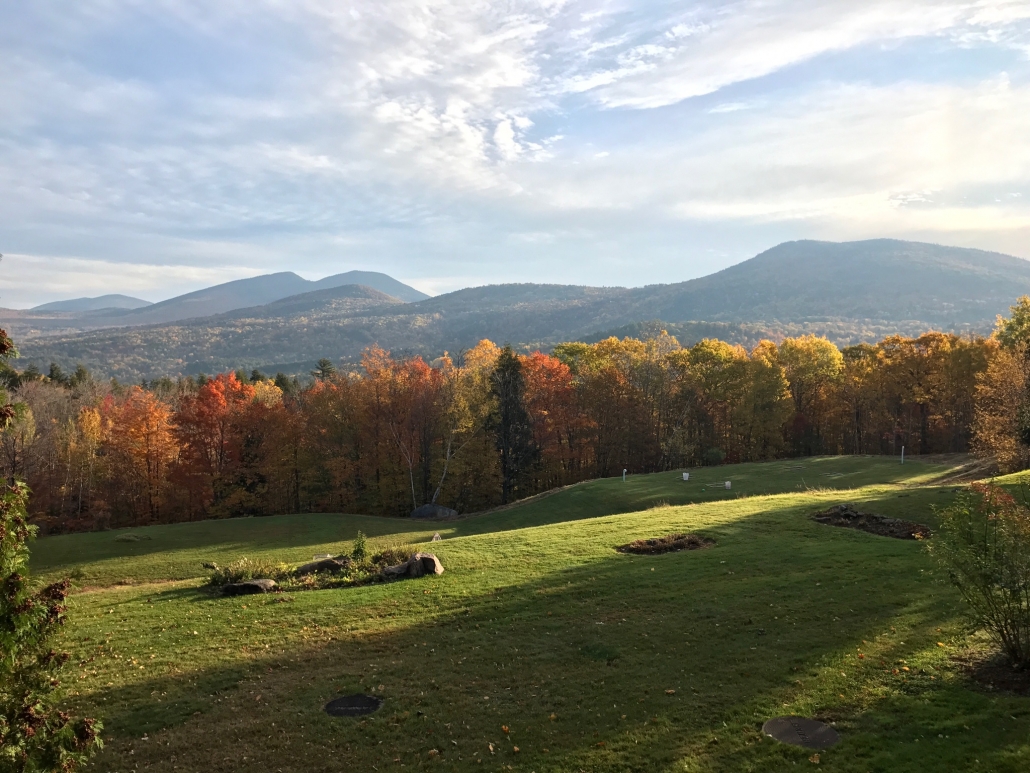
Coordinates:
<point>153,147</point>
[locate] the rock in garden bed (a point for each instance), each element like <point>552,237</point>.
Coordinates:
<point>670,543</point>
<point>416,566</point>
<point>848,517</point>
<point>332,565</point>
<point>248,587</point>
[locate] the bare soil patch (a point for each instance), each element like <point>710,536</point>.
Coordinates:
<point>990,670</point>
<point>848,517</point>
<point>670,543</point>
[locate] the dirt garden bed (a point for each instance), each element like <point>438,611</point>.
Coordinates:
<point>670,543</point>
<point>848,517</point>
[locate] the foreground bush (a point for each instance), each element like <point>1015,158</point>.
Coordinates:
<point>984,544</point>
<point>35,735</point>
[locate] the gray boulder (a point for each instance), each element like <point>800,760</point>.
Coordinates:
<point>433,511</point>
<point>399,570</point>
<point>333,565</point>
<point>418,565</point>
<point>248,587</point>
<point>430,563</point>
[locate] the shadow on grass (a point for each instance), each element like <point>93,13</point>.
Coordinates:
<point>578,665</point>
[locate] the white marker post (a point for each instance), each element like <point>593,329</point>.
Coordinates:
<point>686,476</point>
<point>623,476</point>
<point>903,454</point>
<point>729,485</point>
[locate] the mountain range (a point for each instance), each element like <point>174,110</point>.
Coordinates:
<point>94,304</point>
<point>108,311</point>
<point>851,292</point>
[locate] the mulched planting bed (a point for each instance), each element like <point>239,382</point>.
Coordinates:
<point>850,518</point>
<point>670,543</point>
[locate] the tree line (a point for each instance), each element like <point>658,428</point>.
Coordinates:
<point>492,425</point>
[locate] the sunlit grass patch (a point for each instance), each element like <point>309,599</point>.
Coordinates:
<point>540,636</point>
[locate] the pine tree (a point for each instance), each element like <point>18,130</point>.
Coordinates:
<point>35,736</point>
<point>325,369</point>
<point>510,423</point>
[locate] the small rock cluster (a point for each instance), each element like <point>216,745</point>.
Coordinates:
<point>418,565</point>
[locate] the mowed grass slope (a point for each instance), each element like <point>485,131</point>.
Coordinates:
<point>540,636</point>
<point>178,551</point>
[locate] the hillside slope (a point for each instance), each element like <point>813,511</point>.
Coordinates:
<point>849,292</point>
<point>879,279</point>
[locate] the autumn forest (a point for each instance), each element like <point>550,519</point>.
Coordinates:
<point>490,426</point>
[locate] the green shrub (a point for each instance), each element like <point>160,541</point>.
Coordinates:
<point>360,550</point>
<point>984,544</point>
<point>243,569</point>
<point>34,734</point>
<point>390,557</point>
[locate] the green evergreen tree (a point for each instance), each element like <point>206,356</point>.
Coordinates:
<point>510,423</point>
<point>324,370</point>
<point>35,736</point>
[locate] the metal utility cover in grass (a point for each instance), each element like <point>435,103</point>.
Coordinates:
<point>801,731</point>
<point>353,705</point>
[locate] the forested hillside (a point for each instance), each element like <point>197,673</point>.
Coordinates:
<point>851,292</point>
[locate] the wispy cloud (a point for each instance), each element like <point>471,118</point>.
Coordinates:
<point>425,138</point>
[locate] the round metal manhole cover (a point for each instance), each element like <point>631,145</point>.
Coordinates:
<point>801,731</point>
<point>353,705</point>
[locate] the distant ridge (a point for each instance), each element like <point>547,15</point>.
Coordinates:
<point>875,279</point>
<point>850,292</point>
<point>114,301</point>
<point>381,282</point>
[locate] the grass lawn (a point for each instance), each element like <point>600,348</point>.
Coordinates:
<point>541,648</point>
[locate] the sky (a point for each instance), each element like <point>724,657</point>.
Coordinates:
<point>155,147</point>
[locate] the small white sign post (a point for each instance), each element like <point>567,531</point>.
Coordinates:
<point>729,485</point>
<point>686,476</point>
<point>623,476</point>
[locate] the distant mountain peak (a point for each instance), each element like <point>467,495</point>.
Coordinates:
<point>113,301</point>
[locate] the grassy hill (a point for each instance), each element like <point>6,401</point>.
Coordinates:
<point>540,636</point>
<point>850,292</point>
